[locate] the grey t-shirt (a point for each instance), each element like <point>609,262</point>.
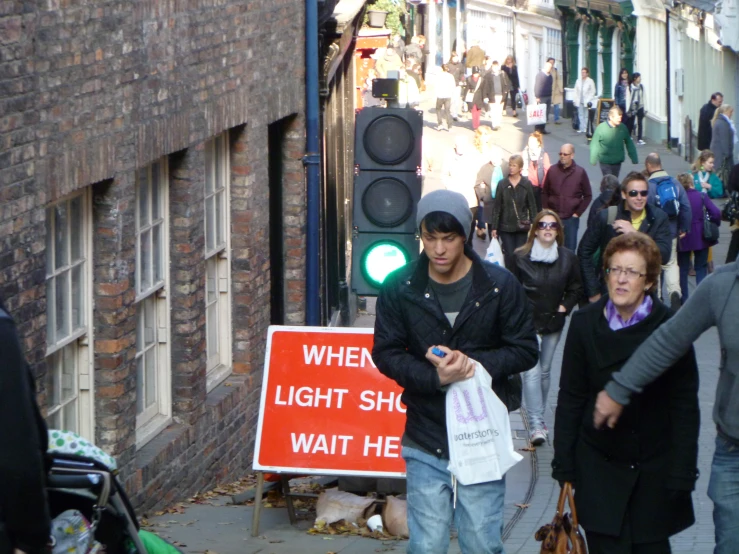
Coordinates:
<point>452,296</point>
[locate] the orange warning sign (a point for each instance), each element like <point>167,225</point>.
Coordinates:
<point>325,407</point>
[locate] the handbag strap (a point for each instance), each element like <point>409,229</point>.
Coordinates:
<point>513,199</point>
<point>566,494</point>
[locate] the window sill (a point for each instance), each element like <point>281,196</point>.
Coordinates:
<point>151,429</point>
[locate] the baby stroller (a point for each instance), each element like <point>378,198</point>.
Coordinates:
<point>89,508</point>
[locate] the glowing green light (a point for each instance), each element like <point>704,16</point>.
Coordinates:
<point>381,259</point>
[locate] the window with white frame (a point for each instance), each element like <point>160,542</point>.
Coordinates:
<point>217,267</point>
<point>494,33</point>
<point>153,394</point>
<point>554,46</point>
<point>68,282</point>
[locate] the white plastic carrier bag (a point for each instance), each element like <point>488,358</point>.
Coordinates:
<point>536,114</point>
<point>495,253</point>
<point>479,431</point>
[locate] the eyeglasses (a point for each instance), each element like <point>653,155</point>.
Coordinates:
<point>565,154</point>
<point>635,193</point>
<point>548,225</point>
<point>631,274</point>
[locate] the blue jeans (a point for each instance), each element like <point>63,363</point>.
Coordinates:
<point>723,489</point>
<point>701,269</point>
<point>557,108</point>
<point>478,515</point>
<point>571,225</point>
<point>537,379</point>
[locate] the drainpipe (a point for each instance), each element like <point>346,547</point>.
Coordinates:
<point>311,162</point>
<point>667,80</point>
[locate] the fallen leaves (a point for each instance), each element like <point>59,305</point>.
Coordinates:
<point>522,506</point>
<point>528,449</point>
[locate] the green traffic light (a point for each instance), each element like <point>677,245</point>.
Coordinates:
<point>381,259</point>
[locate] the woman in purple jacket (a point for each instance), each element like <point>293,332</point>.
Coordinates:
<point>694,243</point>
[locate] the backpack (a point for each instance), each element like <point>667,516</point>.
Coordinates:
<point>668,196</point>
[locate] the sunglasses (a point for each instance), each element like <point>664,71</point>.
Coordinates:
<point>548,225</point>
<point>565,154</point>
<point>635,193</point>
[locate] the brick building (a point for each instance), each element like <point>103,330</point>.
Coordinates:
<point>152,205</point>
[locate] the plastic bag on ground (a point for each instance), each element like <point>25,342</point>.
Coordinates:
<point>479,431</point>
<point>395,516</point>
<point>334,505</point>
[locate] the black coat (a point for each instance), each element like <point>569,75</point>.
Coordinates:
<point>505,85</point>
<point>23,504</point>
<point>704,126</point>
<point>512,73</point>
<point>599,234</point>
<point>648,463</point>
<point>510,201</point>
<point>493,327</point>
<point>549,285</point>
<point>482,92</point>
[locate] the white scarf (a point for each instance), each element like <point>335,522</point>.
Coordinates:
<point>540,253</point>
<point>733,127</point>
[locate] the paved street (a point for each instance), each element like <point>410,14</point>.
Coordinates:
<point>226,529</point>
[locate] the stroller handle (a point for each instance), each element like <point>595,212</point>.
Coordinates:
<point>84,481</point>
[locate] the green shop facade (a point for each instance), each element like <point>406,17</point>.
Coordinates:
<point>598,35</point>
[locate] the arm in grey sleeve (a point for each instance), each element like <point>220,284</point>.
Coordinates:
<point>666,345</point>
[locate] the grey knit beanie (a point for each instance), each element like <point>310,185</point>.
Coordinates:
<point>447,201</point>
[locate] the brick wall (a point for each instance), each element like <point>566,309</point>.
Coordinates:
<point>90,91</point>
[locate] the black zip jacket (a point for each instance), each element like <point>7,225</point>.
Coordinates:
<point>548,286</point>
<point>513,204</point>
<point>494,327</point>
<point>23,507</point>
<point>599,234</point>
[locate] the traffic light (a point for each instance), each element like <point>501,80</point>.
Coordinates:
<point>387,187</point>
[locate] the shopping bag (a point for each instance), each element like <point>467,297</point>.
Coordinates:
<point>576,120</point>
<point>536,114</point>
<point>478,431</point>
<point>495,253</point>
<point>562,535</point>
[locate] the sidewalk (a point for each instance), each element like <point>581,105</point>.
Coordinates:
<point>222,528</point>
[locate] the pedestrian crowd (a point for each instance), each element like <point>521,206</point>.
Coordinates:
<point>627,417</point>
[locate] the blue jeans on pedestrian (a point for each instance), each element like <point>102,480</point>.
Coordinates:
<point>723,489</point>
<point>701,269</point>
<point>571,226</point>
<point>537,379</point>
<point>557,108</point>
<point>478,515</point>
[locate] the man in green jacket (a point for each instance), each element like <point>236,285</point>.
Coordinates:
<point>607,145</point>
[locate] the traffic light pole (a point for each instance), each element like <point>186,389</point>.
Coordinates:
<point>311,162</point>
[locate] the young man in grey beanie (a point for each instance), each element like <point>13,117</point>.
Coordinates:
<point>471,310</point>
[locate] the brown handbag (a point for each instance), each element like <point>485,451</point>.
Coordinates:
<point>562,536</point>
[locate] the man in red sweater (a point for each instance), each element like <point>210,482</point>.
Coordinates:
<point>566,190</point>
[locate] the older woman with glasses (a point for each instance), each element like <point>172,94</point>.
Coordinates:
<point>631,215</point>
<point>550,275</point>
<point>632,483</point>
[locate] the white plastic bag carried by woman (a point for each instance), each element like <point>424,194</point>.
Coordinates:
<point>495,253</point>
<point>479,431</point>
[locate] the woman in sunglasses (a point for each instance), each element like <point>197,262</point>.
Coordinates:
<point>632,483</point>
<point>550,275</point>
<point>631,215</point>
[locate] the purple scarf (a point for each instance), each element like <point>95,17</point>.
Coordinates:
<point>616,322</point>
